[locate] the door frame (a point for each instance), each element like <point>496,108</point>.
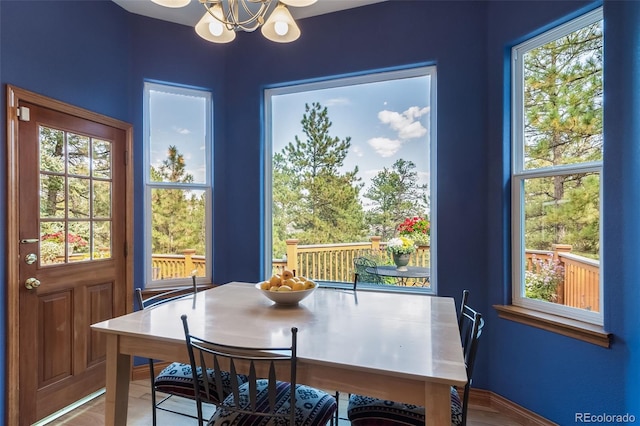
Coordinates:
<point>14,96</point>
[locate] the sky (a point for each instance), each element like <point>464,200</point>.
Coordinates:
<point>386,121</point>
<point>180,120</point>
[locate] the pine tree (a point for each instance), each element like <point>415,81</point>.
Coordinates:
<point>396,195</point>
<point>178,214</point>
<point>322,204</point>
<point>563,125</point>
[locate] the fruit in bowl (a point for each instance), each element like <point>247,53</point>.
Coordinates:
<point>286,289</point>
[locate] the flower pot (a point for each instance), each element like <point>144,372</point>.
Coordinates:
<point>401,260</point>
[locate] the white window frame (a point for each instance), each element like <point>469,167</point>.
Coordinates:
<point>519,175</point>
<point>206,187</point>
<point>372,77</point>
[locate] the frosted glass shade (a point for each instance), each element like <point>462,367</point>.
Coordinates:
<point>298,3</point>
<point>172,3</point>
<point>212,30</point>
<point>280,27</point>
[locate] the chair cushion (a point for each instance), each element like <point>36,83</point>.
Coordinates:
<point>176,379</point>
<point>313,407</point>
<point>367,411</point>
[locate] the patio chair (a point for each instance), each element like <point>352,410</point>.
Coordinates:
<point>360,265</point>
<point>259,401</point>
<point>175,380</point>
<point>364,410</point>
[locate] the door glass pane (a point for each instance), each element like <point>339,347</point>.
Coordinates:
<point>102,239</point>
<point>78,197</point>
<point>178,233</point>
<point>51,150</point>
<point>78,155</point>
<point>101,199</point>
<point>52,243</point>
<point>72,197</point>
<point>78,240</point>
<point>51,196</point>
<point>101,159</point>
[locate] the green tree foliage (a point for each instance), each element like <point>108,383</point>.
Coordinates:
<point>395,194</point>
<point>312,200</point>
<point>178,214</point>
<point>563,126</point>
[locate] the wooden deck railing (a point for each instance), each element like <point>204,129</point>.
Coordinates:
<point>580,287</point>
<point>334,262</point>
<point>168,266</point>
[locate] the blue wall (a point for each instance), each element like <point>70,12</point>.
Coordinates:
<point>101,65</point>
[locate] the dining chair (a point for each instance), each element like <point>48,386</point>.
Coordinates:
<point>176,379</point>
<point>368,411</point>
<point>265,399</point>
<point>463,307</point>
<point>360,265</point>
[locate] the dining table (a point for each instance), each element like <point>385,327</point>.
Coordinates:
<point>403,276</point>
<point>397,346</point>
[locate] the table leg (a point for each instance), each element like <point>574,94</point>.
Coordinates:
<point>437,404</point>
<point>118,375</point>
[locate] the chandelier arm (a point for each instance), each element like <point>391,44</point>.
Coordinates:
<point>231,19</point>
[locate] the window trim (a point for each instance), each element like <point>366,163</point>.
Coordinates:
<point>519,175</point>
<point>206,186</point>
<point>418,70</point>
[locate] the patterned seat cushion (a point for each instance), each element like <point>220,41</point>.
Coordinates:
<point>176,379</point>
<point>367,411</point>
<point>313,407</point>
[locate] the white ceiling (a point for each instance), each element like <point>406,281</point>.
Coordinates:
<point>191,14</point>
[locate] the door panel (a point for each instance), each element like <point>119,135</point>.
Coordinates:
<point>98,310</point>
<point>72,205</point>
<point>54,341</point>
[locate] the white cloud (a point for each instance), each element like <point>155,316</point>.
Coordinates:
<point>385,147</point>
<point>337,101</point>
<point>182,131</point>
<point>405,123</point>
<point>412,131</point>
<point>357,151</point>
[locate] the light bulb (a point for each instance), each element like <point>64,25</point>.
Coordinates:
<point>281,28</point>
<point>215,28</point>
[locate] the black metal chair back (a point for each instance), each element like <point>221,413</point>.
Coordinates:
<point>165,296</point>
<point>360,265</point>
<point>259,362</point>
<point>471,325</point>
<point>155,300</point>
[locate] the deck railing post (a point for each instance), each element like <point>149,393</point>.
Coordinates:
<point>292,254</point>
<point>557,249</point>
<point>188,261</point>
<point>375,243</point>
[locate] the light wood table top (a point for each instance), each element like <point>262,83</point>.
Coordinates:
<point>398,346</point>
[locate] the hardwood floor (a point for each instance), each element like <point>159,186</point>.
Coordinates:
<point>92,413</point>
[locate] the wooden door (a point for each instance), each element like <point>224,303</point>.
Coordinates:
<point>72,249</point>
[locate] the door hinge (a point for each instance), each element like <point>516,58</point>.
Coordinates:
<point>24,114</point>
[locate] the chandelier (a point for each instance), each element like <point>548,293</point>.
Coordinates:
<point>223,18</point>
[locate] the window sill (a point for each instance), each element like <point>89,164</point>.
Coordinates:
<point>567,327</point>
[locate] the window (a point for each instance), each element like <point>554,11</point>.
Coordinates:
<point>348,161</point>
<point>177,184</point>
<point>556,170</point>
<point>75,197</point>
